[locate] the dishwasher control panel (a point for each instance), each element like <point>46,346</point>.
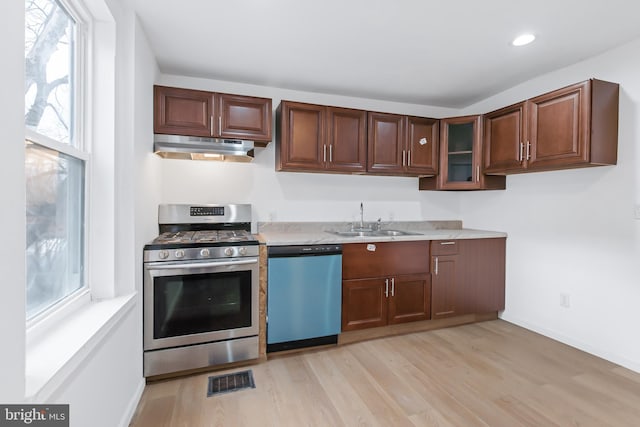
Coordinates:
<point>304,250</point>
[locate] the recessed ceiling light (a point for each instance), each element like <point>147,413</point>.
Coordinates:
<point>523,39</point>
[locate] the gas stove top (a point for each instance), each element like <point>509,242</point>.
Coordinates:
<point>204,237</point>
<point>196,232</point>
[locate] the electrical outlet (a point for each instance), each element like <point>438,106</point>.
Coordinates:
<point>565,300</point>
<point>637,212</point>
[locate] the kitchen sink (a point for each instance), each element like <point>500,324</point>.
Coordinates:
<point>373,233</point>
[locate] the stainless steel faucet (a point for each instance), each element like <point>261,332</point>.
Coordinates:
<point>361,216</point>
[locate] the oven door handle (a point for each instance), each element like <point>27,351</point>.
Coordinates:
<point>164,266</point>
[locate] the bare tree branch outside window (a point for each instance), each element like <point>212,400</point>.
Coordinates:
<point>48,65</point>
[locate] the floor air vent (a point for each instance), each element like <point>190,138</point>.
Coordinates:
<point>230,382</point>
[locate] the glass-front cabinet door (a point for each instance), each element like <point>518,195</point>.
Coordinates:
<point>460,158</point>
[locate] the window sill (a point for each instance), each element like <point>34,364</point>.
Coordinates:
<point>52,359</point>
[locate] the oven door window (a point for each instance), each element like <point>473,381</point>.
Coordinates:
<point>199,303</point>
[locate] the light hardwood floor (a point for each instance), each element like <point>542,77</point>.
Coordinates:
<point>485,374</point>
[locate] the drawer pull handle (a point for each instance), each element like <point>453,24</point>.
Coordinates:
<point>447,243</point>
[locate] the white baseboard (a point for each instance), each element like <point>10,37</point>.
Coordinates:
<point>127,417</point>
<point>633,365</point>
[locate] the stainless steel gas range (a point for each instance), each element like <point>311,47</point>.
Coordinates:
<point>200,289</point>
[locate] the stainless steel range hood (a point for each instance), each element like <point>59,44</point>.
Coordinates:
<point>197,148</point>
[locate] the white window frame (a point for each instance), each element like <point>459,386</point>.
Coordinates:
<point>41,323</point>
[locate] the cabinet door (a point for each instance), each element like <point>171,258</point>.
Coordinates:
<point>482,274</point>
<point>183,111</point>
<point>505,139</point>
<point>364,304</point>
<point>459,156</point>
<point>301,137</point>
<point>346,140</point>
<point>385,143</point>
<point>409,298</point>
<point>244,117</point>
<point>444,286</point>
<point>559,128</point>
<point>422,146</point>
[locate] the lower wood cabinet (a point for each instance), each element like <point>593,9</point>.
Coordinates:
<point>395,282</point>
<point>368,303</point>
<point>467,276</point>
<point>385,283</point>
<point>446,295</point>
<point>409,299</point>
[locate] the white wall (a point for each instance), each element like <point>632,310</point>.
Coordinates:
<point>288,196</point>
<point>574,232</point>
<point>12,207</point>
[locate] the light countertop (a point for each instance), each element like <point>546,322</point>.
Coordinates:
<point>308,233</point>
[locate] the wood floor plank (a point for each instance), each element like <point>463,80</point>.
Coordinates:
<point>491,373</point>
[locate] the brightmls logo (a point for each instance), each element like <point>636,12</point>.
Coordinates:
<point>34,415</point>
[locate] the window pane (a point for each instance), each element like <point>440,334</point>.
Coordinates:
<point>49,59</point>
<point>55,226</point>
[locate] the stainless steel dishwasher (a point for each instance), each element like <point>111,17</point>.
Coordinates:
<point>304,296</point>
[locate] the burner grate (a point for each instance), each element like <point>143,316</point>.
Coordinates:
<point>230,382</point>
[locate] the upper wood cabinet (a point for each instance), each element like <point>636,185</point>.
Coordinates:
<point>199,113</point>
<point>244,117</point>
<point>460,158</point>
<point>402,145</point>
<point>423,141</point>
<point>183,111</point>
<point>319,138</point>
<point>576,126</point>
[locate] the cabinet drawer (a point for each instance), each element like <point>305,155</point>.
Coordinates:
<point>382,259</point>
<point>444,247</point>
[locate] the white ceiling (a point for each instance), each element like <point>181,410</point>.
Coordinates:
<point>448,53</point>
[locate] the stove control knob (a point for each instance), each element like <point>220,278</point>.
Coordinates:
<point>163,254</point>
<point>205,253</point>
<point>228,251</point>
<point>179,253</point>
<point>242,251</point>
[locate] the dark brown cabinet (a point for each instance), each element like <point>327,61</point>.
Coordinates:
<point>468,276</point>
<point>576,126</point>
<point>460,158</point>
<point>319,138</point>
<point>402,145</point>
<point>183,111</point>
<point>244,117</point>
<point>385,283</point>
<point>199,113</point>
